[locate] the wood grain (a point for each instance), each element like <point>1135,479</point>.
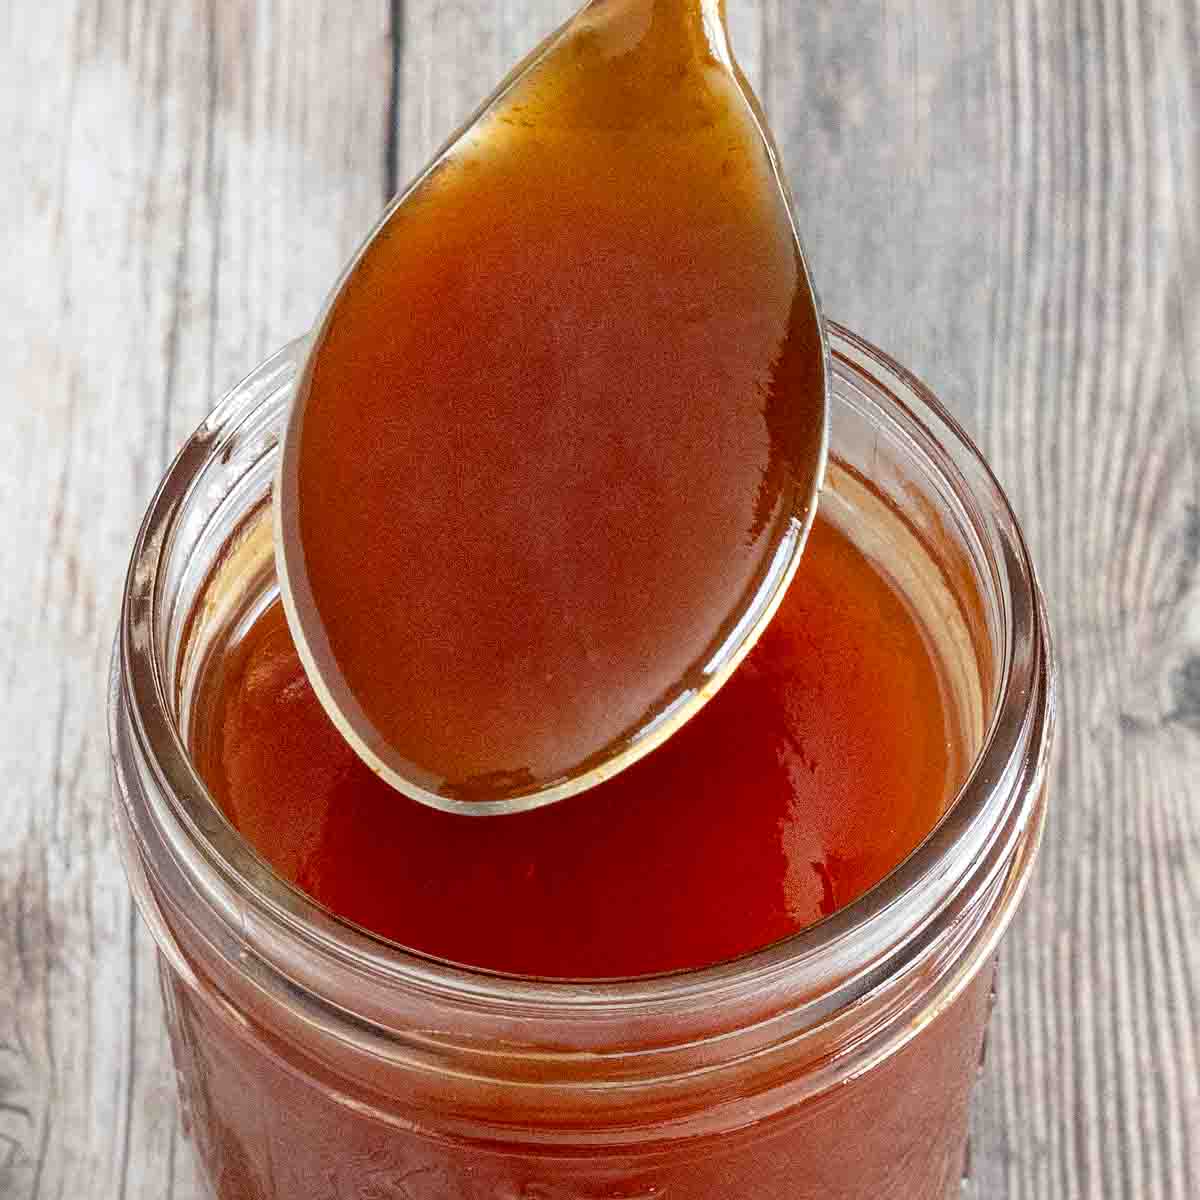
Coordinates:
<point>1006,196</point>
<point>182,182</point>
<point>1089,414</point>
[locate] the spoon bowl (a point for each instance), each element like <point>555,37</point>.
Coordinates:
<point>558,439</point>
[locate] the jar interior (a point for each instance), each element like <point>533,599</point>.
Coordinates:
<point>888,490</point>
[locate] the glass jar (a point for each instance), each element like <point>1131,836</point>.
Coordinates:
<point>315,1061</point>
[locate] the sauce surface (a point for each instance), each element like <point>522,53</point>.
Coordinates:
<point>823,762</point>
<point>560,418</point>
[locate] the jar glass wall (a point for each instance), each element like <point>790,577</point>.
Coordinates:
<point>315,1060</point>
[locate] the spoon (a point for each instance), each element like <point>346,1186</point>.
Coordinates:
<point>556,446</point>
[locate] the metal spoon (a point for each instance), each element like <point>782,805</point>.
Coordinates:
<point>556,447</point>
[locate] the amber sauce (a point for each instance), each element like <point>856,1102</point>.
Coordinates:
<point>554,417</point>
<point>823,762</point>
<point>562,410</point>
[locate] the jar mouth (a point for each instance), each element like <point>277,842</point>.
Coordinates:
<point>830,963</point>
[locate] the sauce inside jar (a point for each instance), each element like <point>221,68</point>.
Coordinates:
<point>822,763</point>
<point>558,405</point>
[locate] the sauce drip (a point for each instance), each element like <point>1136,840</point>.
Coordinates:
<point>561,418</point>
<point>823,762</point>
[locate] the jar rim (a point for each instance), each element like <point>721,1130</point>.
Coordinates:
<point>832,962</point>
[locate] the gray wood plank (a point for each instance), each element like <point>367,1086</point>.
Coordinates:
<point>1089,414</point>
<point>182,182</point>
<point>884,116</point>
<point>451,54</point>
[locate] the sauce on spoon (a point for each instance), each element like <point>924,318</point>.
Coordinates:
<point>557,445</point>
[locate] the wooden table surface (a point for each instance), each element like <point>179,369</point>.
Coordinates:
<point>1005,194</point>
